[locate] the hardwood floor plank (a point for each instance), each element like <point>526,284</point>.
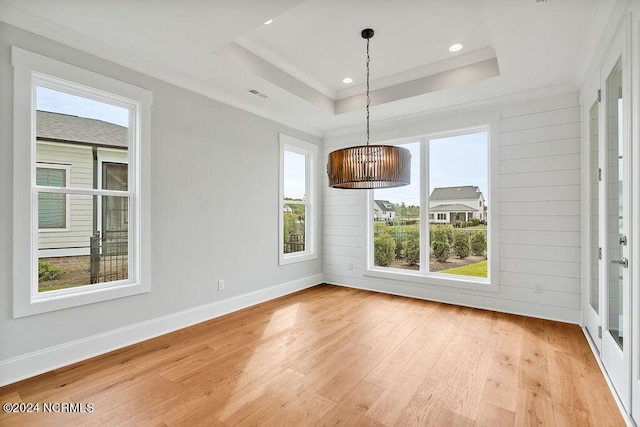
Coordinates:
<point>397,395</point>
<point>465,399</point>
<point>350,410</point>
<point>394,363</point>
<point>426,405</point>
<point>501,386</point>
<point>451,419</point>
<point>534,372</point>
<point>502,380</point>
<point>491,416</point>
<point>534,408</point>
<point>337,356</point>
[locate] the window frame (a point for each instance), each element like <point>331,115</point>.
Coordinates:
<point>428,278</point>
<point>310,151</point>
<point>32,70</point>
<point>67,200</point>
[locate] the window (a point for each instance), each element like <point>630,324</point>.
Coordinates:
<point>52,208</point>
<point>440,233</point>
<point>83,241</point>
<point>297,200</point>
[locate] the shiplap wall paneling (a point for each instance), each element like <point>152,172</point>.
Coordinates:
<point>538,224</point>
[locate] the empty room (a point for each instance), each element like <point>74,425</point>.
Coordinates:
<point>320,212</point>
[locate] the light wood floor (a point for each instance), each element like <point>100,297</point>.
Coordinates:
<point>332,355</point>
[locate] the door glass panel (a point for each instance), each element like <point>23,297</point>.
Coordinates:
<point>615,201</point>
<point>594,294</point>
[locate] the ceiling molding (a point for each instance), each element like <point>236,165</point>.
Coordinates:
<point>416,73</point>
<point>435,82</point>
<point>247,60</point>
<point>485,105</point>
<point>284,65</point>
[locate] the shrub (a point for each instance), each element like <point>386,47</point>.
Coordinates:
<point>474,222</point>
<point>397,233</point>
<point>441,249</point>
<point>442,233</point>
<point>411,247</point>
<point>48,271</point>
<point>461,244</point>
<point>384,249</point>
<point>478,243</point>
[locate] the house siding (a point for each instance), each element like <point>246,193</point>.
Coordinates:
<point>538,222</point>
<point>76,240</point>
<point>472,203</point>
<point>80,160</point>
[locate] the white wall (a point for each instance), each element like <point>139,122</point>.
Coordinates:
<point>214,215</point>
<point>538,213</point>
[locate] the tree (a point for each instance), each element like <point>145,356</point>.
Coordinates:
<point>413,211</point>
<point>478,243</point>
<point>384,249</point>
<point>461,243</point>
<point>401,210</point>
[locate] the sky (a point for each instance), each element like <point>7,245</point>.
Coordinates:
<point>453,162</point>
<point>294,175</point>
<point>61,102</point>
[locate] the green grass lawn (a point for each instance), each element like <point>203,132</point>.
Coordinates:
<point>479,269</point>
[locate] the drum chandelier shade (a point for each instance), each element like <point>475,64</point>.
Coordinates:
<point>369,166</point>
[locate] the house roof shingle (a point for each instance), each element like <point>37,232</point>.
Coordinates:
<point>457,207</point>
<point>64,127</point>
<point>384,205</point>
<point>455,193</point>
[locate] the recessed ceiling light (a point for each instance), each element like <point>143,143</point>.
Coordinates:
<point>347,80</point>
<point>268,22</point>
<point>455,47</point>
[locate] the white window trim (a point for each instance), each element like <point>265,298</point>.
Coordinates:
<point>67,215</point>
<point>310,151</point>
<point>462,126</point>
<point>29,67</point>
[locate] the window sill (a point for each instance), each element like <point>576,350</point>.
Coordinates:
<point>291,259</point>
<point>433,279</point>
<point>67,298</point>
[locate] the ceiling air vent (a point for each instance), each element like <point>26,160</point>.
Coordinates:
<point>258,93</point>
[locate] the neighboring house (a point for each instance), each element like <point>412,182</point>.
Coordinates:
<point>383,210</point>
<point>448,205</point>
<point>79,152</point>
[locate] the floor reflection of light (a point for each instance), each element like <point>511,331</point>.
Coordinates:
<point>263,356</point>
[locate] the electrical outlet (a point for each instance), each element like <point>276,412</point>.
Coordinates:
<point>537,288</point>
<point>221,285</point>
<point>350,266</point>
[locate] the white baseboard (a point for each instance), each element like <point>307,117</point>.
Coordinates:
<point>557,314</point>
<point>38,362</point>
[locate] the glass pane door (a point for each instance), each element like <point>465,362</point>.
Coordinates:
<point>594,294</point>
<point>593,320</point>
<point>614,225</point>
<point>615,204</point>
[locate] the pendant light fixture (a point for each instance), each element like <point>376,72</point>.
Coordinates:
<point>369,166</point>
